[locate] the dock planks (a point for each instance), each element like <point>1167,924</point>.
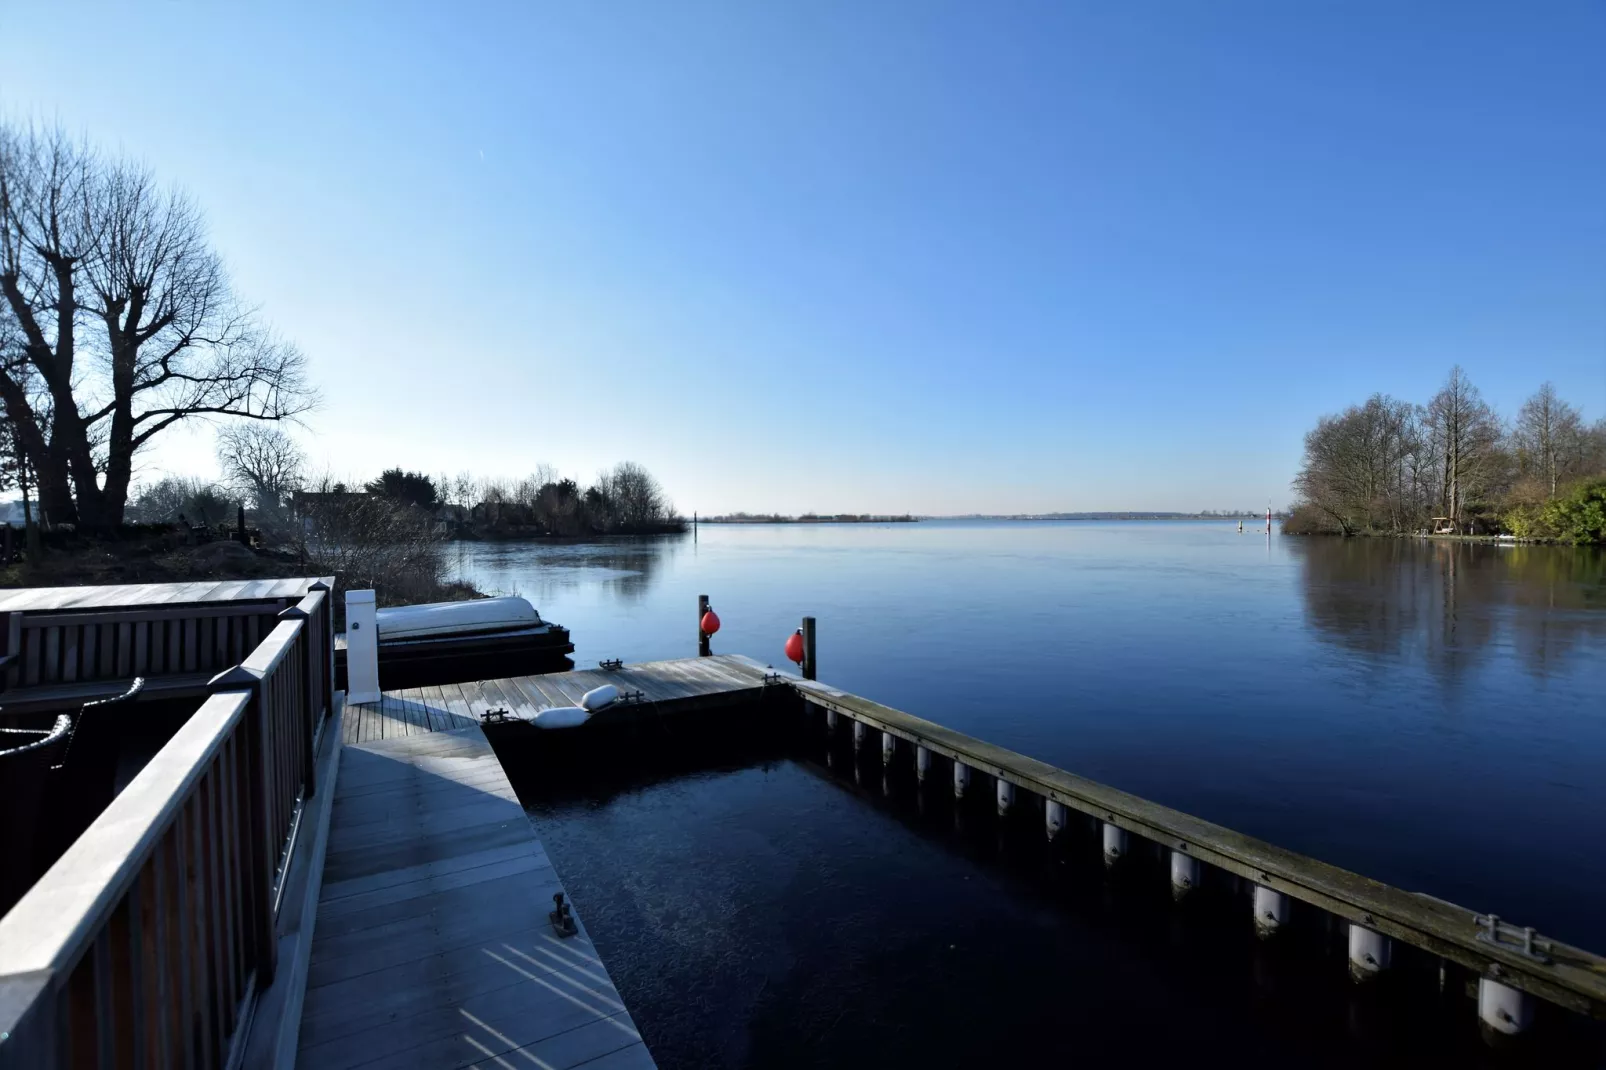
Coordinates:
<point>432,946</point>
<point>699,682</point>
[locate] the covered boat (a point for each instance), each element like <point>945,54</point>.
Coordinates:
<point>456,618</point>
<point>449,642</point>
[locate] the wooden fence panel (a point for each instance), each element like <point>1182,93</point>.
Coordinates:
<point>147,941</point>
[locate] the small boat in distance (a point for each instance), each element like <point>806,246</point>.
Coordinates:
<point>449,642</point>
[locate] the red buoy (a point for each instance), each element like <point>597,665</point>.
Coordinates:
<point>794,646</point>
<point>710,623</point>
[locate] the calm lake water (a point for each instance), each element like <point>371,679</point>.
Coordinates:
<point>1429,714</point>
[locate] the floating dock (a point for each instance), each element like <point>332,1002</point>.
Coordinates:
<point>679,686</point>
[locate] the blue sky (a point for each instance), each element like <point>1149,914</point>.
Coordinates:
<point>870,257</point>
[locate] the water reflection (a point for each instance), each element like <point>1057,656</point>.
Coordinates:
<point>765,896</point>
<point>1448,605</point>
<point>624,567</point>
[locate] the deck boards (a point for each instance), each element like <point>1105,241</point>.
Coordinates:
<point>432,946</point>
<point>413,711</point>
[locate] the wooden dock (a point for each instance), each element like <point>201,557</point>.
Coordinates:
<point>666,686</point>
<point>432,946</point>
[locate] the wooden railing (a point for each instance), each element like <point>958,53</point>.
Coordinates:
<point>79,646</point>
<point>148,942</point>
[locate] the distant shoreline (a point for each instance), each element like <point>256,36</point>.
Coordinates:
<point>1020,517</point>
<point>810,518</point>
<point>1224,518</point>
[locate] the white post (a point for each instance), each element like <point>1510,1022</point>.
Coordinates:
<point>961,779</point>
<point>1504,1009</point>
<point>1184,873</point>
<point>830,721</point>
<point>1271,910</point>
<point>1053,818</point>
<point>858,734</point>
<point>1369,953</point>
<point>362,648</point>
<point>1114,843</point>
<point>889,747</point>
<point>1006,797</point>
<point>922,763</point>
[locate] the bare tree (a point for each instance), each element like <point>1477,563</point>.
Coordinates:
<point>636,499</point>
<point>260,460</point>
<point>463,492</point>
<point>45,237</point>
<point>1549,436</point>
<point>1358,465</point>
<point>1592,448</point>
<point>127,318</point>
<point>1467,434</point>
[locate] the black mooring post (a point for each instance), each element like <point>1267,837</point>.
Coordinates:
<point>808,648</point>
<point>703,649</point>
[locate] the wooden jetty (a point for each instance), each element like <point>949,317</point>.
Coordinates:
<point>684,685</point>
<point>433,945</point>
<point>298,879</point>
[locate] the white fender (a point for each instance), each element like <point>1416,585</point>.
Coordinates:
<point>598,697</point>
<point>560,717</point>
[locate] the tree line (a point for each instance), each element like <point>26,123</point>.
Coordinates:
<point>1388,466</point>
<point>117,322</point>
<point>262,467</point>
<point>624,500</point>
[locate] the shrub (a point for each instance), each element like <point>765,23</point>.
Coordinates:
<point>197,501</point>
<point>1306,519</point>
<point>1580,516</point>
<point>372,541</point>
<point>1527,522</point>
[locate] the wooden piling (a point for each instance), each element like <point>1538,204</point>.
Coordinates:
<point>809,665</point>
<point>703,649</point>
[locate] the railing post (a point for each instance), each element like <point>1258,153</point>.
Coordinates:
<point>703,649</point>
<point>809,666</point>
<point>261,845</point>
<point>326,647</point>
<point>309,696</point>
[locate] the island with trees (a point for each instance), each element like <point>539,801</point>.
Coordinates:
<point>1454,466</point>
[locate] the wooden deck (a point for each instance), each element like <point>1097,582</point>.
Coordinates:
<point>432,946</point>
<point>687,682</point>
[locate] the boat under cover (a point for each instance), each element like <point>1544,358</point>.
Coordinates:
<point>441,619</point>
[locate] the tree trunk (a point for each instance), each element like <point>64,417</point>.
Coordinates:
<point>55,497</point>
<point>119,466</point>
<point>30,525</point>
